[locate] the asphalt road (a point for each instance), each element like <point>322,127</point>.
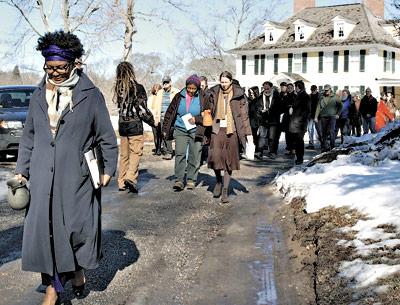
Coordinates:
<point>162,247</point>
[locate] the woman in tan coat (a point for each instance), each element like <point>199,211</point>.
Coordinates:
<point>157,129</point>
<point>231,125</point>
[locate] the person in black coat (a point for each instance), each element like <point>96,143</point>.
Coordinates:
<point>276,110</point>
<point>314,98</point>
<point>253,94</point>
<point>299,114</point>
<point>368,108</point>
<point>287,96</point>
<point>355,115</point>
<point>267,105</point>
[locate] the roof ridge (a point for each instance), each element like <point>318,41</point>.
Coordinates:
<point>368,21</point>
<point>335,5</point>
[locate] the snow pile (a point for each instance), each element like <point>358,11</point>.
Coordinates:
<point>368,180</point>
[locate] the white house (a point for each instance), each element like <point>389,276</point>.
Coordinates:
<point>343,45</point>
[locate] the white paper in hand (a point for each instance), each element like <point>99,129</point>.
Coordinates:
<point>250,150</point>
<point>93,165</point>
<point>185,119</point>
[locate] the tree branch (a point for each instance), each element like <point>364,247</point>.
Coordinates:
<point>43,15</point>
<point>65,14</point>
<point>12,3</point>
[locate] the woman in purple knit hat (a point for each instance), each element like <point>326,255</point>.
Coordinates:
<point>183,121</point>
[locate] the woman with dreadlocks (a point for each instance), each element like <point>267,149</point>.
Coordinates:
<point>131,98</point>
<point>67,117</point>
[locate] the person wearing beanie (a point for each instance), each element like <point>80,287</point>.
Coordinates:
<point>183,121</point>
<point>67,119</point>
<point>326,114</point>
<point>159,107</point>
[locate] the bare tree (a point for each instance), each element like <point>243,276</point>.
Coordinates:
<point>393,7</point>
<point>246,17</point>
<point>238,22</point>
<point>77,16</point>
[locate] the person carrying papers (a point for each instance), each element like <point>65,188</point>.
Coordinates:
<point>183,121</point>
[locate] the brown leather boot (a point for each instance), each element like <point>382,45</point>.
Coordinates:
<point>225,194</point>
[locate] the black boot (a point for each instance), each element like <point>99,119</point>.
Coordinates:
<point>131,186</point>
<point>217,190</point>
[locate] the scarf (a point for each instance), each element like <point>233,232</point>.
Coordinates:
<point>188,101</point>
<point>267,100</point>
<point>224,111</point>
<point>59,98</point>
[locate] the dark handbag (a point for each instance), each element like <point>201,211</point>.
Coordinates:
<point>130,125</point>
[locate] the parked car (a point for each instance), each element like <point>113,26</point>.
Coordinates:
<point>14,103</point>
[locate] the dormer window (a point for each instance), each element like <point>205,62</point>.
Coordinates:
<point>340,30</point>
<point>342,27</point>
<point>273,31</point>
<point>300,32</point>
<point>303,30</point>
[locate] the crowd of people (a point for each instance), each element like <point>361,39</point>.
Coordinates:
<point>68,118</point>
<point>322,114</point>
<point>270,112</point>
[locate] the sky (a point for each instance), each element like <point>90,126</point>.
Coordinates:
<point>151,37</point>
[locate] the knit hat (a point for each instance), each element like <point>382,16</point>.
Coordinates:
<point>166,79</point>
<point>193,79</point>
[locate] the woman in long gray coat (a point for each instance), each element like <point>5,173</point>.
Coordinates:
<point>67,117</point>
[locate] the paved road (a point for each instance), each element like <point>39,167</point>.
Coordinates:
<point>162,247</point>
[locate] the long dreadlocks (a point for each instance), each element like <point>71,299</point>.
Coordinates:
<point>125,85</point>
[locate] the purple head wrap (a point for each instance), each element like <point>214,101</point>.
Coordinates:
<point>54,52</point>
<point>195,80</point>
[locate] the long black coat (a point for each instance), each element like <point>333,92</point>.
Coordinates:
<point>61,189</point>
<point>301,112</point>
<point>368,106</point>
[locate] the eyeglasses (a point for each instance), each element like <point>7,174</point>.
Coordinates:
<point>58,69</point>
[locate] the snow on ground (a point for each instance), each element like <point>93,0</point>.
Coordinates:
<point>368,180</point>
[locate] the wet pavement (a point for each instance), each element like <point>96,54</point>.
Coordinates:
<point>162,247</point>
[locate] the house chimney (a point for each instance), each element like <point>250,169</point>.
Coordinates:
<point>298,5</point>
<point>377,7</point>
